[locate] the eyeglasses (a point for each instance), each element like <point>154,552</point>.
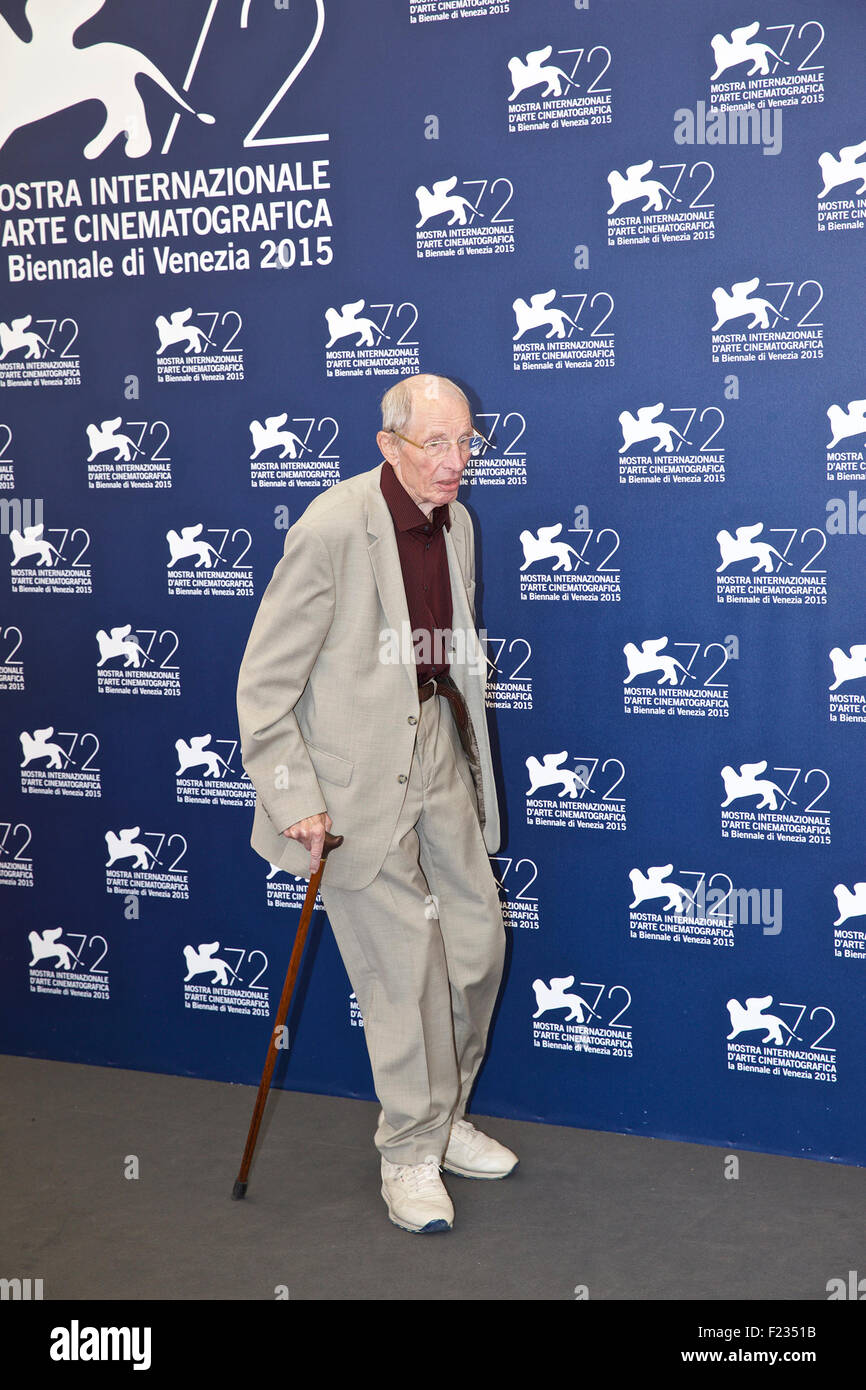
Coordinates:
<point>469,445</point>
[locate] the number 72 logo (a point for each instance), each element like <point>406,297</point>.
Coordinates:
<point>249,14</point>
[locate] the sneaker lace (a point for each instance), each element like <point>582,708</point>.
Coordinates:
<point>466,1131</point>
<point>421,1177</point>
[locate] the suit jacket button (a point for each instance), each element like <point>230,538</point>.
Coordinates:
<point>402,777</point>
<point>412,719</point>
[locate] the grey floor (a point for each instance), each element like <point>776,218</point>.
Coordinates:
<point>617,1216</point>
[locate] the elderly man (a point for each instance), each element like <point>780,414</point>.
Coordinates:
<point>361,707</point>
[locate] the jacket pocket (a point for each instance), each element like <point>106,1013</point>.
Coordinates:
<point>330,766</point>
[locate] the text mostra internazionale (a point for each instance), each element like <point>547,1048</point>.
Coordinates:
<point>207,203</point>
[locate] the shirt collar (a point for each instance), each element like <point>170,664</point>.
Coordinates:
<point>406,513</point>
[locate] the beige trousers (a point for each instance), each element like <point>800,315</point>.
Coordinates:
<point>423,946</point>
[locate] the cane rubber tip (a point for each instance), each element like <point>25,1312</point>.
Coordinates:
<point>239,1190</point>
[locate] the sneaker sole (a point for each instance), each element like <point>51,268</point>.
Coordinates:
<point>438,1224</point>
<point>429,1229</point>
<point>471,1173</point>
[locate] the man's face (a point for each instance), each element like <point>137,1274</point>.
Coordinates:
<point>430,482</point>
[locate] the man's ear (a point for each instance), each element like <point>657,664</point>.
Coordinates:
<point>388,445</point>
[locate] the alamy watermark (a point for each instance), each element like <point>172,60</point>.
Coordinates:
<point>438,646</point>
<point>21,1290</point>
<point>86,1343</point>
<point>17,513</point>
<point>737,907</point>
<point>746,126</point>
<point>853,1287</point>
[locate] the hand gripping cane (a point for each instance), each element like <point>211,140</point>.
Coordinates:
<point>240,1188</point>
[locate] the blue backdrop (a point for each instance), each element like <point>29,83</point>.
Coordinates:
<point>635,234</point>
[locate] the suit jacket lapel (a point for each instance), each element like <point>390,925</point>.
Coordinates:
<point>461,618</point>
<point>461,615</point>
<point>385,560</point>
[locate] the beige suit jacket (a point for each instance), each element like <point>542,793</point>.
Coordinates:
<point>326,724</point>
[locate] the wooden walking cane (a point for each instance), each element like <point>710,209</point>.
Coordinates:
<point>240,1188</point>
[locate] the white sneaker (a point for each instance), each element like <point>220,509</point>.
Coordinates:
<point>415,1196</point>
<point>472,1154</point>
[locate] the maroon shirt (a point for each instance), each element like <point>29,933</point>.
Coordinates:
<point>424,562</point>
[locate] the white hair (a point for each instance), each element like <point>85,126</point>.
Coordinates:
<point>399,399</point>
